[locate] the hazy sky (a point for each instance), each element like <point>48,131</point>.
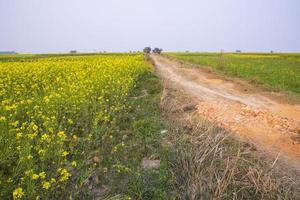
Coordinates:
<point>174,25</point>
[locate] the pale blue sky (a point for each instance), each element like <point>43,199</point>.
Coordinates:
<point>122,25</point>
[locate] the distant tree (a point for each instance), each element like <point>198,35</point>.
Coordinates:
<point>73,51</point>
<point>8,52</point>
<point>157,50</point>
<point>147,50</point>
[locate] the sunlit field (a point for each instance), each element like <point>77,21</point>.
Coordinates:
<point>59,118</point>
<point>105,126</point>
<point>281,71</point>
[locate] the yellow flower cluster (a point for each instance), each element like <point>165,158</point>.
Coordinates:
<point>48,107</point>
<point>18,193</point>
<point>64,174</point>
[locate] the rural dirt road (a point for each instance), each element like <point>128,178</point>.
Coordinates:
<point>272,125</point>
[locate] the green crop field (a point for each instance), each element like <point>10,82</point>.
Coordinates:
<point>280,71</point>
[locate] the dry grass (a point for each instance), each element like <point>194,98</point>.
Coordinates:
<point>206,162</point>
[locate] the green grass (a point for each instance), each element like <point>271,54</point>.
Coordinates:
<point>143,127</point>
<point>278,71</point>
<point>140,129</point>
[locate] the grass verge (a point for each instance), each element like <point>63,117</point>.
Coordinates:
<point>141,131</point>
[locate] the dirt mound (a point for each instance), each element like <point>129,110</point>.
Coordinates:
<point>274,133</point>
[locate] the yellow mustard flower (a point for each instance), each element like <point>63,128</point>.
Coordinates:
<point>75,137</point>
<point>28,172</point>
<point>35,127</point>
<point>29,157</point>
<point>65,153</point>
<point>18,193</point>
<point>46,185</point>
<point>70,121</point>
<point>2,119</point>
<point>61,134</point>
<point>52,180</point>
<point>74,163</point>
<point>65,175</point>
<point>15,124</point>
<point>42,175</point>
<point>46,99</point>
<point>32,135</point>
<point>34,176</point>
<point>51,130</point>
<point>45,136</point>
<point>41,152</point>
<point>19,135</point>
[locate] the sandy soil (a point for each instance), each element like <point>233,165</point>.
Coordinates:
<point>272,125</point>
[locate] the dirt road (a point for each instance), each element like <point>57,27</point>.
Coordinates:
<point>272,125</point>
